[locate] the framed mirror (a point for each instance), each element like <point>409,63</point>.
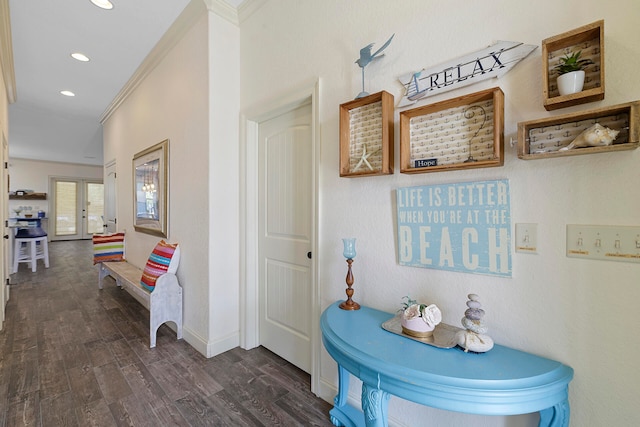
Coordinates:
<point>150,177</point>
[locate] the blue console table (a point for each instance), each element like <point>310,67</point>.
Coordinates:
<point>502,381</point>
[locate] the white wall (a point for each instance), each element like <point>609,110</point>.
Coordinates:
<point>224,205</point>
<point>579,312</point>
<point>176,101</point>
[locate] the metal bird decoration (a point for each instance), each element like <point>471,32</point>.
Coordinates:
<point>366,57</point>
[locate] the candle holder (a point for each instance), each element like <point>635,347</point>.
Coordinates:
<point>349,253</point>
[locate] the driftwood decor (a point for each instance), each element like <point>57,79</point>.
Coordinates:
<point>490,62</point>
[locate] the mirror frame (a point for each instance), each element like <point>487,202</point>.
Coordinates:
<point>158,224</point>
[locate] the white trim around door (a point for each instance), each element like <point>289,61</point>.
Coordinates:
<point>250,121</point>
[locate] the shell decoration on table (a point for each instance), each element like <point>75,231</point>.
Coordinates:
<point>474,337</point>
<point>594,136</point>
<point>419,320</point>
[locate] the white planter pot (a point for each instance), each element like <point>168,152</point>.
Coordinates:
<point>570,82</point>
<point>417,327</point>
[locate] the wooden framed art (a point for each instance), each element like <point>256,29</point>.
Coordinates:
<point>366,136</point>
<point>460,133</point>
<point>150,178</point>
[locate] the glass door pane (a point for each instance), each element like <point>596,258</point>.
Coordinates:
<point>66,208</point>
<point>78,208</point>
<point>95,208</point>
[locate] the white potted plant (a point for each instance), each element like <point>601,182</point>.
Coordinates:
<point>571,73</point>
<point>419,320</point>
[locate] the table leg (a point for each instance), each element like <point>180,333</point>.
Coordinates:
<point>338,417</point>
<point>555,416</point>
<point>374,404</point>
<point>343,387</point>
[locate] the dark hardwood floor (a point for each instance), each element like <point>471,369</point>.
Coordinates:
<point>72,355</point>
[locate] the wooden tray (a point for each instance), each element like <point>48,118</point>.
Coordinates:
<point>444,336</point>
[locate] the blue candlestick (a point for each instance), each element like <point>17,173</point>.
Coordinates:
<point>349,248</point>
<point>349,253</point>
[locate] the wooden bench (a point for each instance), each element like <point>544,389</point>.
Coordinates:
<point>164,303</point>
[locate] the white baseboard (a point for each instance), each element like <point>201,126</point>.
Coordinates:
<point>213,348</point>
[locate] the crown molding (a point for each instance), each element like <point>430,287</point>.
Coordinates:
<point>247,8</point>
<point>6,52</point>
<point>230,13</point>
<point>223,9</point>
<point>194,10</point>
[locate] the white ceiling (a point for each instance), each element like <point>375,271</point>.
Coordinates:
<point>45,125</point>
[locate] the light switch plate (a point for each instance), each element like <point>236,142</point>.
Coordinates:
<point>604,242</point>
<point>527,238</point>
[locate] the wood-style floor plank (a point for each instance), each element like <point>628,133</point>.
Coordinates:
<point>25,411</point>
<point>84,385</point>
<point>74,355</point>
<point>111,382</point>
<point>96,414</point>
<point>99,353</point>
<point>59,410</point>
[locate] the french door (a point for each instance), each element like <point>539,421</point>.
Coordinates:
<point>77,208</point>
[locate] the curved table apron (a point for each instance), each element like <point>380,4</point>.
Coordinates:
<point>502,381</point>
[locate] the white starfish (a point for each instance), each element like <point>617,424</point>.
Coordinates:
<point>363,159</point>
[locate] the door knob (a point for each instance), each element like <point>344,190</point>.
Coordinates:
<point>309,255</point>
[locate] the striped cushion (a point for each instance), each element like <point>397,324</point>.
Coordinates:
<point>164,259</point>
<point>108,247</point>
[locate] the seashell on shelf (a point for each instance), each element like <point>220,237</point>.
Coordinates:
<point>596,135</point>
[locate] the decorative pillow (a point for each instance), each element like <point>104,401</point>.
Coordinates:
<point>108,247</point>
<point>164,259</point>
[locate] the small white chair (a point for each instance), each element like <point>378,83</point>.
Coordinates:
<point>30,246</point>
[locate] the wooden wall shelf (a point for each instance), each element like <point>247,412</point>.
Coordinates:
<point>541,139</point>
<point>29,196</point>
<point>366,136</point>
<point>459,133</point>
<point>590,40</point>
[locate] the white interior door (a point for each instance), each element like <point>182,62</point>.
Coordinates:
<point>110,221</point>
<point>285,221</point>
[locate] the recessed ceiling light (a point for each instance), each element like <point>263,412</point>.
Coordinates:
<point>67,93</point>
<point>80,57</point>
<point>103,4</point>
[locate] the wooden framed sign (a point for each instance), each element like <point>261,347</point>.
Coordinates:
<point>366,136</point>
<point>492,61</point>
<point>460,133</point>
